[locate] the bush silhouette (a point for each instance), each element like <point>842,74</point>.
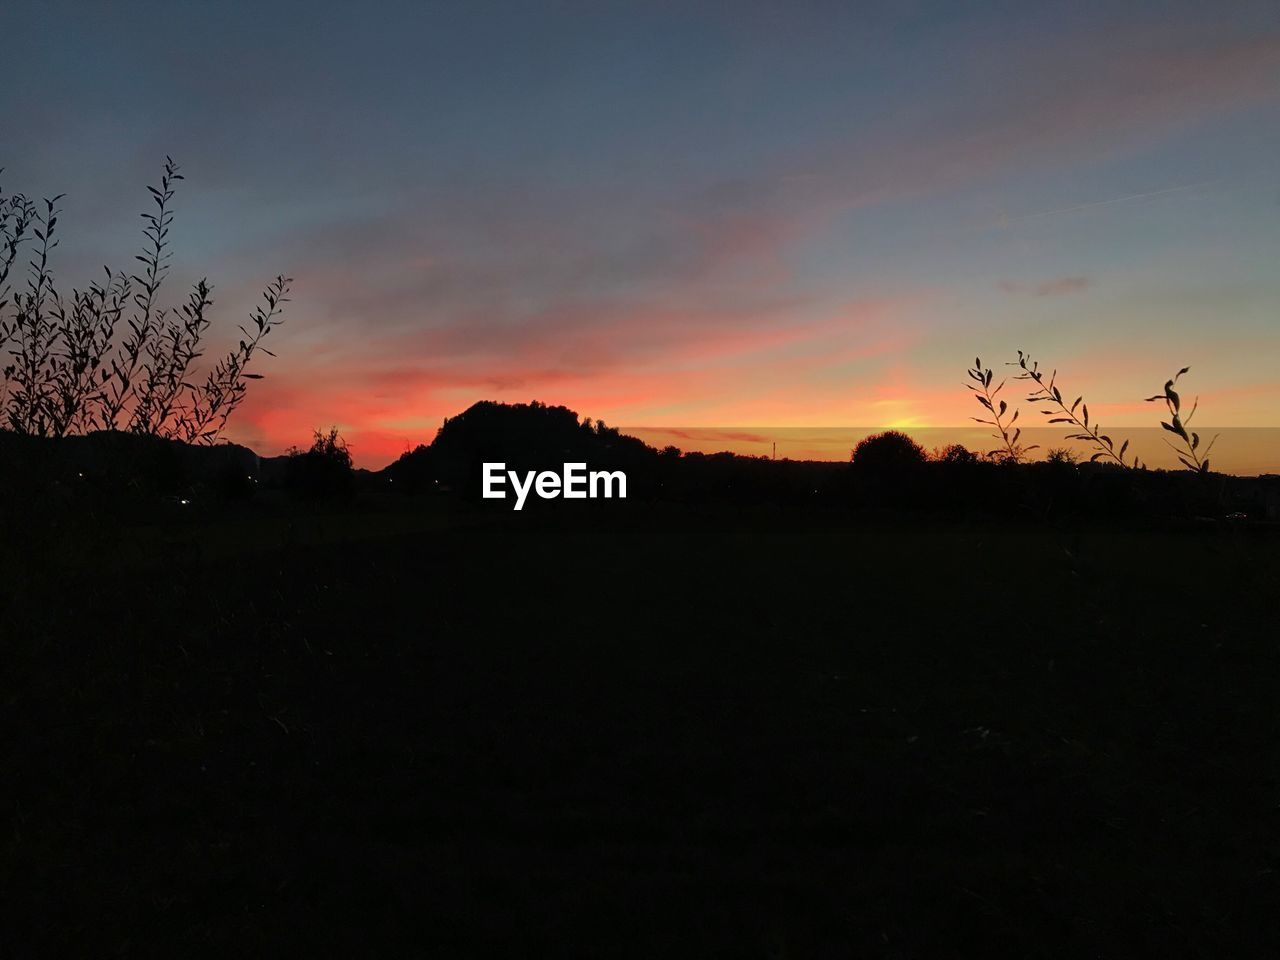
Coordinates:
<point>324,470</point>
<point>109,356</point>
<point>956,453</point>
<point>888,451</point>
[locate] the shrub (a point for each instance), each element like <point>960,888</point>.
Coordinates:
<point>888,451</point>
<point>323,470</point>
<point>110,357</point>
<point>955,453</point>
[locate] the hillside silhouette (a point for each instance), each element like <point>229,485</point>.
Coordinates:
<point>888,471</point>
<point>525,436</point>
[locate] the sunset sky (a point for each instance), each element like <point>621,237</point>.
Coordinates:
<point>681,214</point>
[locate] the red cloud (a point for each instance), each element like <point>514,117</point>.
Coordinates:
<point>1046,288</point>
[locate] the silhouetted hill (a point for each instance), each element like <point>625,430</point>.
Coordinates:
<point>524,436</point>
<point>114,464</point>
<point>891,472</point>
<point>112,469</point>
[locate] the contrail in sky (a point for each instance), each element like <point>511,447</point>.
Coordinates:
<point>1103,203</point>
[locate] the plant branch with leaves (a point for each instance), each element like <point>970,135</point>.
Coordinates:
<point>1046,391</point>
<point>1010,451</point>
<point>224,388</point>
<point>68,372</point>
<point>1189,453</point>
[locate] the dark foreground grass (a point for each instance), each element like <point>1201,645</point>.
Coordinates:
<point>425,731</point>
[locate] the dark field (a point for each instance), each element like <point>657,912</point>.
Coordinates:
<point>427,730</point>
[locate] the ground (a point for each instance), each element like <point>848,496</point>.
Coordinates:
<point>419,728</point>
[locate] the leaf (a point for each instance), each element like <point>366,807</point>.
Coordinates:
<point>1059,420</point>
<point>1076,404</point>
<point>1003,407</point>
<point>1123,447</point>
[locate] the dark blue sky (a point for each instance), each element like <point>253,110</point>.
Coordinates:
<point>678,212</point>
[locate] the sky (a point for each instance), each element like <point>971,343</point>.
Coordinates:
<point>680,214</point>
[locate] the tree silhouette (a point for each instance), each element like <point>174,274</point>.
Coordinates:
<point>891,450</point>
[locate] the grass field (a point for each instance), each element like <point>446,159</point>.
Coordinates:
<point>419,729</point>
